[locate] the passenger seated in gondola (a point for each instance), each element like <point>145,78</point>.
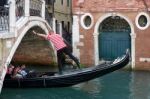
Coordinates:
<point>9,72</point>
<point>27,73</point>
<point>16,73</point>
<point>20,72</point>
<point>23,71</point>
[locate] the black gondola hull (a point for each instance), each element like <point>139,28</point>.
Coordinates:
<point>68,79</point>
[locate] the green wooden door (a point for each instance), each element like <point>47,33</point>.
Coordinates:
<point>113,44</point>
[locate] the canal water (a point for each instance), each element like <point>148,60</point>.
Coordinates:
<point>116,85</point>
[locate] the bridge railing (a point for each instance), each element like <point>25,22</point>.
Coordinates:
<point>17,9</point>
<point>36,8</point>
<point>4,19</point>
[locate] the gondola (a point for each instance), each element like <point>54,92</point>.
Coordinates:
<point>69,78</point>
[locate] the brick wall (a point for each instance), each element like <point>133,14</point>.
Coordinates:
<point>142,48</point>
<point>128,8</point>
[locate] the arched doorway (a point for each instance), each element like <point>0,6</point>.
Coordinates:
<point>114,38</point>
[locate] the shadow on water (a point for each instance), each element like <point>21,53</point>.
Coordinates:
<point>116,85</point>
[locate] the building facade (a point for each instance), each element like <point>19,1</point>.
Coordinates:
<point>104,29</point>
<point>60,11</point>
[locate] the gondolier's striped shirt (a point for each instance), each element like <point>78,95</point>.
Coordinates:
<point>57,41</point>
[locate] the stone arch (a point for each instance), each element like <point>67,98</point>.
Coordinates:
<point>96,33</point>
<point>29,25</point>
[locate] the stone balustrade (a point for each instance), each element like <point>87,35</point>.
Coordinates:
<point>18,9</point>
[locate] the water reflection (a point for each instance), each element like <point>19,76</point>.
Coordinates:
<point>140,85</point>
<point>46,93</point>
<point>92,87</point>
<point>116,85</point>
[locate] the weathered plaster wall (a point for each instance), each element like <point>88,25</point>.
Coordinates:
<point>34,50</point>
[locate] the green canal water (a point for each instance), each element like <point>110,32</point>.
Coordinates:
<point>116,85</point>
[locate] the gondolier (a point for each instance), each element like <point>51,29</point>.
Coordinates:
<point>60,46</point>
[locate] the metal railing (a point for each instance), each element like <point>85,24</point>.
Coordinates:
<point>20,8</point>
<point>4,19</point>
<point>35,8</point>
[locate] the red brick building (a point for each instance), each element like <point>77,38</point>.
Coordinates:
<point>104,29</point>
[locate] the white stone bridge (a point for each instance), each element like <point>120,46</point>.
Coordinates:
<point>16,20</point>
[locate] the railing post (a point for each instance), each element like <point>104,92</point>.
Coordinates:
<point>12,16</point>
<point>27,8</point>
<point>43,9</point>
